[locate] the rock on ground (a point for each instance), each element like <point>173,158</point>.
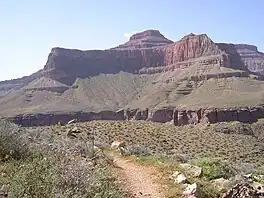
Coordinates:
<point>192,191</point>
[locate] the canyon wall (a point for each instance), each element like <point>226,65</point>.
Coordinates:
<point>252,58</point>
<point>145,52</point>
<point>178,117</point>
<point>65,65</point>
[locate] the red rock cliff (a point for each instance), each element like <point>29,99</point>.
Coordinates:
<point>143,50</point>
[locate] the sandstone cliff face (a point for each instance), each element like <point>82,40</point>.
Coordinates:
<point>232,57</point>
<point>150,52</point>
<point>253,59</point>
<point>190,47</point>
<point>145,52</point>
<point>66,65</point>
<point>178,117</point>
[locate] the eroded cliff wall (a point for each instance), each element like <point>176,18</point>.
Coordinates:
<point>178,117</point>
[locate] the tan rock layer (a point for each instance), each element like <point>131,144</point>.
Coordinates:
<point>178,117</point>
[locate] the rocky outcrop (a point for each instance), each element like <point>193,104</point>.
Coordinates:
<point>192,191</point>
<point>161,115</point>
<point>52,119</point>
<point>252,58</point>
<point>178,117</point>
<point>66,65</point>
<point>232,58</point>
<point>243,190</point>
<point>145,39</point>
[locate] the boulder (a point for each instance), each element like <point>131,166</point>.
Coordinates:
<point>220,183</point>
<point>181,179</point>
<point>194,171</point>
<point>117,144</point>
<point>178,178</point>
<point>75,130</point>
<point>192,191</point>
<point>243,190</point>
<point>174,175</point>
<point>259,187</point>
<point>70,134</point>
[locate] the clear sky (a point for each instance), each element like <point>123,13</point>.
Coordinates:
<point>30,28</point>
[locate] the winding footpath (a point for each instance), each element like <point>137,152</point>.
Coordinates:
<point>138,180</point>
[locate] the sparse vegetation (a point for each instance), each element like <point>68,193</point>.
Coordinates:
<point>47,172</point>
<point>181,143</point>
<point>53,162</point>
<point>115,91</point>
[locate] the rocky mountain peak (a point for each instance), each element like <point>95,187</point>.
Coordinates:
<point>189,36</point>
<point>146,39</point>
<point>147,33</point>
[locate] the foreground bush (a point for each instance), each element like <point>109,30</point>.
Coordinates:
<point>10,144</point>
<point>46,173</point>
<point>215,168</point>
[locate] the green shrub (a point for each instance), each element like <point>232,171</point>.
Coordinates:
<point>57,176</point>
<point>208,190</point>
<point>215,168</point>
<point>51,169</point>
<point>35,177</point>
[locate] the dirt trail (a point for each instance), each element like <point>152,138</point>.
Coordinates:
<point>138,179</point>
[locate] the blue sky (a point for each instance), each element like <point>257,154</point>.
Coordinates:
<point>29,29</point>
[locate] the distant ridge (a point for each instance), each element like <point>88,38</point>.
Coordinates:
<point>149,71</point>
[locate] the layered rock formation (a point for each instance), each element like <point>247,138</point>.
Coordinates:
<point>253,59</point>
<point>139,54</point>
<point>146,39</point>
<point>145,52</point>
<point>178,117</point>
<point>194,57</point>
<point>7,85</point>
<point>47,84</point>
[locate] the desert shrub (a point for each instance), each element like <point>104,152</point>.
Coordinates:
<point>244,168</point>
<point>137,150</point>
<point>34,177</point>
<point>233,128</point>
<point>10,144</point>
<point>54,175</point>
<point>215,168</point>
<point>208,190</point>
<point>52,168</point>
<point>176,157</point>
<point>258,129</point>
